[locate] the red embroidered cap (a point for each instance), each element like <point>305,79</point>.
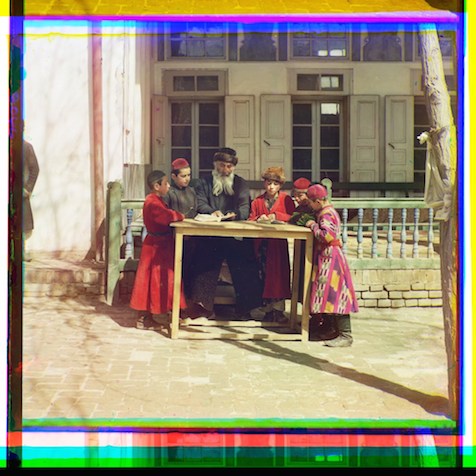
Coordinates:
<point>180,163</point>
<point>317,192</point>
<point>301,184</point>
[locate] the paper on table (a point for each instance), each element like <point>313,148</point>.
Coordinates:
<point>212,218</point>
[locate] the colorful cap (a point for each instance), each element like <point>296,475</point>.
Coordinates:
<point>301,184</point>
<point>317,192</point>
<point>180,163</point>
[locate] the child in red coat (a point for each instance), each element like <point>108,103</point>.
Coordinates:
<point>152,293</point>
<point>273,253</point>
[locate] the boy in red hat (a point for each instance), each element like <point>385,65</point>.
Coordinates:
<point>273,253</point>
<point>332,290</point>
<point>182,198</point>
<point>299,194</point>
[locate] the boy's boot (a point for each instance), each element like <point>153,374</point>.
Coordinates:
<point>323,327</point>
<point>344,339</point>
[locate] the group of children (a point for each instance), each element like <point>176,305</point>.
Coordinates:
<point>332,293</point>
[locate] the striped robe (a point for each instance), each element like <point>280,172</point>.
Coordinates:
<point>332,290</point>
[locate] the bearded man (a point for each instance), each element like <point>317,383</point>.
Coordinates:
<point>225,193</point>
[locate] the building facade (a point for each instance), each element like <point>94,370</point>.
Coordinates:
<point>321,99</point>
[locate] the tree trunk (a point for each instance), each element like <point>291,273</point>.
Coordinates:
<point>442,138</point>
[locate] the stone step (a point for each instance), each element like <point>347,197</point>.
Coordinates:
<point>50,277</point>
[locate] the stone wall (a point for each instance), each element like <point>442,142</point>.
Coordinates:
<point>398,287</point>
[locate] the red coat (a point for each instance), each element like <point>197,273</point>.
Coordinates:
<point>277,272</point>
<point>154,281</point>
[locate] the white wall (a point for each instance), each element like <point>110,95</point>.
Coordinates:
<point>57,122</point>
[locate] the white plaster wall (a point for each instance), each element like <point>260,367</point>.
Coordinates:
<point>113,48</point>
<point>57,122</point>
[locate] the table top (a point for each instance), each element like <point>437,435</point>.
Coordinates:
<point>243,228</point>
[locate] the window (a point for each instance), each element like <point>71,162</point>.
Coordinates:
<point>421,123</point>
<point>446,37</point>
<point>327,81</point>
<point>317,138</point>
<point>196,132</point>
<point>318,82</point>
<point>382,42</point>
<point>318,40</point>
<point>259,42</point>
<point>195,83</point>
<point>197,40</point>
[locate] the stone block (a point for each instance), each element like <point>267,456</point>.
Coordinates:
<point>375,295</point>
<point>397,287</point>
<point>418,286</point>
<point>395,295</point>
<point>415,294</point>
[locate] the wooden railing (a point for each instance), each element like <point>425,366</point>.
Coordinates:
<point>388,233</point>
<point>377,233</point>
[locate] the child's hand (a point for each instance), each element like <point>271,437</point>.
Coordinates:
<point>263,219</point>
<point>305,217</point>
<point>310,223</point>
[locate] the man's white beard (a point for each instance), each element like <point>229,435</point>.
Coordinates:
<point>222,184</point>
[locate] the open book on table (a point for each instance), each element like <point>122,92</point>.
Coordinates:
<point>212,218</point>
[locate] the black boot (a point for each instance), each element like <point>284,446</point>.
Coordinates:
<point>344,339</point>
<point>323,327</point>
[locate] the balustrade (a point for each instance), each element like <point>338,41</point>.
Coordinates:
<point>372,230</point>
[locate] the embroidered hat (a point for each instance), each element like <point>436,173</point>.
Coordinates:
<point>180,163</point>
<point>317,192</point>
<point>274,173</point>
<point>226,154</point>
<point>301,184</point>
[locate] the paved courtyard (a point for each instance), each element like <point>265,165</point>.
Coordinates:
<point>84,359</point>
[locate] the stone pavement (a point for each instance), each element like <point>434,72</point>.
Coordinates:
<point>84,359</point>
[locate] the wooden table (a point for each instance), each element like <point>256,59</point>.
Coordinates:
<point>248,229</point>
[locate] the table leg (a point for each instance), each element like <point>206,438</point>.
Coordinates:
<point>296,271</point>
<point>306,294</point>
<point>174,328</point>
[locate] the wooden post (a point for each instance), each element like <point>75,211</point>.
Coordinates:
<point>113,220</point>
<point>442,137</point>
<point>98,161</point>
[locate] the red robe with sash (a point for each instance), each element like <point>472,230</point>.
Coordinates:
<point>154,281</point>
<point>277,273</point>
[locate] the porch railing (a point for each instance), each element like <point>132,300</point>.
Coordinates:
<point>380,233</point>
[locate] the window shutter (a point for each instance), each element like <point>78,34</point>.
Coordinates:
<point>160,151</point>
<point>240,132</point>
<point>275,141</point>
<point>364,140</point>
<point>398,139</point>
